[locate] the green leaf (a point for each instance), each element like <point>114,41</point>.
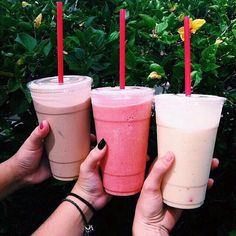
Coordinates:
<point>148,20</point>
<point>169,39</point>
<point>178,71</point>
<point>89,21</point>
<point>232,232</point>
<point>47,48</point>
<point>196,77</point>
<point>161,27</point>
<point>171,19</point>
<point>100,37</point>
<point>19,105</point>
<point>26,40</point>
<point>71,42</point>
<point>209,53</point>
<point>25,25</point>
<point>157,68</point>
<point>130,60</point>
<point>97,67</point>
<point>113,36</point>
<point>231,95</point>
<point>234,30</point>
<point>3,97</point>
<point>13,85</point>
<point>27,94</point>
<point>95,80</point>
<point>8,21</point>
<point>79,53</point>
<point>4,124</point>
<point>209,67</point>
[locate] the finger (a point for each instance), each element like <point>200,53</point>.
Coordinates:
<point>95,156</point>
<point>34,141</point>
<point>210,183</point>
<point>215,163</point>
<point>153,163</point>
<point>159,169</point>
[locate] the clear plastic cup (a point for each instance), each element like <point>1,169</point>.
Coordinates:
<point>187,126</point>
<point>66,107</point>
<point>122,118</point>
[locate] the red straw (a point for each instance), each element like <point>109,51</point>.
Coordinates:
<point>187,56</point>
<point>60,41</point>
<point>122,48</point>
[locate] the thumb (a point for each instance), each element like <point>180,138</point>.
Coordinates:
<point>95,156</point>
<point>159,169</point>
<point>34,141</point>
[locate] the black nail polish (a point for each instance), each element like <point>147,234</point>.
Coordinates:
<point>101,144</point>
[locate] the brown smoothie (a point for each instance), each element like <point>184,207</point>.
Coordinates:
<point>70,127</point>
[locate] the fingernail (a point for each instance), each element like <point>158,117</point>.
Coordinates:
<point>169,156</point>
<point>101,144</point>
<point>41,125</point>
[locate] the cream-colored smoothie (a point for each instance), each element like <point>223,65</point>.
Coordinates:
<point>187,126</point>
<point>189,146</point>
<point>66,107</point>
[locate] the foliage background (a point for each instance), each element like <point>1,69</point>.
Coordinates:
<point>91,47</point>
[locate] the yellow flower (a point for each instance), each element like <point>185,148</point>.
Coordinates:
<point>181,33</point>
<point>181,17</point>
<point>20,61</point>
<point>194,26</point>
<point>38,20</point>
<point>172,7</point>
<point>25,4</point>
<point>218,41</point>
<point>154,75</point>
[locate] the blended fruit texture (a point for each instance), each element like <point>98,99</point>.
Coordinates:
<point>126,130</point>
<point>193,151</point>
<point>187,126</point>
<point>68,142</point>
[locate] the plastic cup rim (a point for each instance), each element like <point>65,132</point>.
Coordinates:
<point>180,97</point>
<point>37,86</point>
<point>114,91</point>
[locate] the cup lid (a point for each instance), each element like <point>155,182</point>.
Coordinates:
<point>114,96</point>
<point>51,85</point>
<point>187,99</point>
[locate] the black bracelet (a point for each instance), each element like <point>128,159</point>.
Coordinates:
<point>88,229</point>
<point>84,201</point>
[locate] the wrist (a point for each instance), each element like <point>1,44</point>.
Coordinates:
<point>17,174</point>
<point>10,180</point>
<point>83,194</point>
<point>85,209</point>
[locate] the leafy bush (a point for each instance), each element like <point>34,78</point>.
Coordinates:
<point>154,47</point>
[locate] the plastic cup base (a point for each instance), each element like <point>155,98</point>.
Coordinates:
<point>65,178</point>
<point>122,193</point>
<point>182,206</point>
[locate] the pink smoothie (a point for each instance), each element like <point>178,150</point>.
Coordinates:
<point>125,129</point>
